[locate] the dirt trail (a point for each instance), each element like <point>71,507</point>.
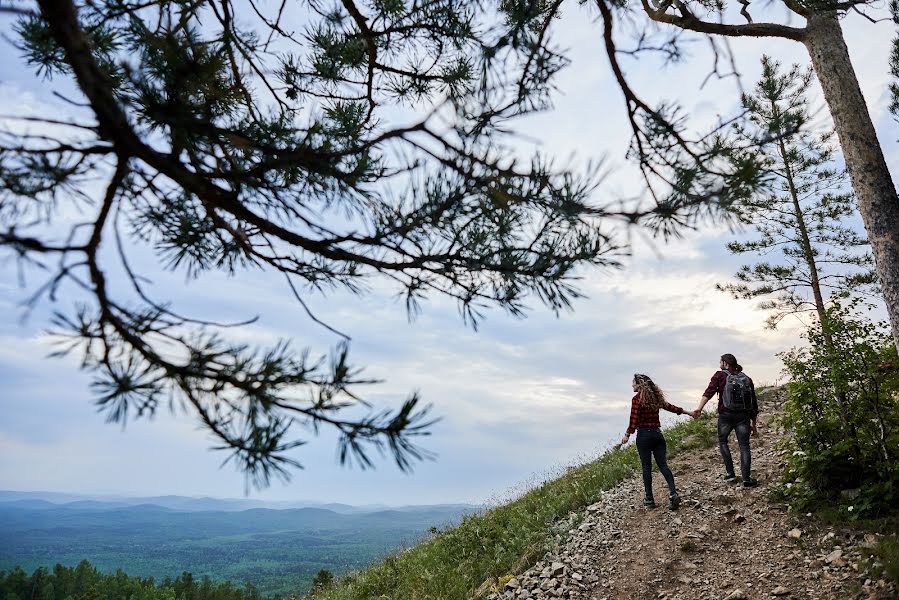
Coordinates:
<point>726,541</point>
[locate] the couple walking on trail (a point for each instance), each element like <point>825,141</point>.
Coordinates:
<point>737,411</point>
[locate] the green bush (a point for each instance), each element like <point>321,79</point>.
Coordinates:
<point>843,410</point>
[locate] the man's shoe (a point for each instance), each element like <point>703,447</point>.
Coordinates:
<point>750,482</point>
<point>730,478</point>
<point>649,503</point>
<point>673,502</point>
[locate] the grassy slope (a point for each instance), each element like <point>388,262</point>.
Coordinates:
<point>504,540</point>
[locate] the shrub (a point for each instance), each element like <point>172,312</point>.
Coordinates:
<point>843,409</point>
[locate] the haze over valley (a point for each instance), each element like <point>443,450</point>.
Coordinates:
<point>276,546</point>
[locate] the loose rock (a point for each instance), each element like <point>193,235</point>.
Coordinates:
<point>618,550</point>
<point>780,591</point>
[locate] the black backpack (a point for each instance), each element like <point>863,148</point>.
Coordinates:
<point>737,394</point>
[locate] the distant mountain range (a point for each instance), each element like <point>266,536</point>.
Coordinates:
<point>37,500</point>
<point>276,546</point>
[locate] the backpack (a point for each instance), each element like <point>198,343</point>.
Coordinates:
<point>737,394</point>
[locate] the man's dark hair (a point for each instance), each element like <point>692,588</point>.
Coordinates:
<point>731,361</point>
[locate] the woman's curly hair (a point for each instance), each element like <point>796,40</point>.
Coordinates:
<point>651,395</point>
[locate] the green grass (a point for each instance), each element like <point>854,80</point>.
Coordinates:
<point>887,552</point>
<point>505,540</point>
<point>883,558</point>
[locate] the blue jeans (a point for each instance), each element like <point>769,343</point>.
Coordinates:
<point>651,443</point>
<point>738,422</point>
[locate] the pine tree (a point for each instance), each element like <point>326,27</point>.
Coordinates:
<point>327,145</point>
<point>323,154</point>
<point>48,592</point>
<point>322,580</point>
<point>669,156</point>
<point>801,219</point>
<point>894,63</point>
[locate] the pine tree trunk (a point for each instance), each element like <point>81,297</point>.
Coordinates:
<point>877,198</point>
<point>806,244</point>
<point>808,252</point>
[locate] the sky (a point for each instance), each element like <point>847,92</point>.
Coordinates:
<point>519,400</point>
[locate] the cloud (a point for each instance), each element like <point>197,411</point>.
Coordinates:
<point>518,399</point>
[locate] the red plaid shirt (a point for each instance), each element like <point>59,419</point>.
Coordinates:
<point>716,386</point>
<point>643,416</point>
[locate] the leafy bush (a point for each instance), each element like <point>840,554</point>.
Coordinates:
<point>843,409</point>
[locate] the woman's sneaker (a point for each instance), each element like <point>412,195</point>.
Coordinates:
<point>649,503</point>
<point>673,502</point>
<point>730,478</point>
<point>750,482</point>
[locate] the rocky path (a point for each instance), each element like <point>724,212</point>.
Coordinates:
<point>725,542</point>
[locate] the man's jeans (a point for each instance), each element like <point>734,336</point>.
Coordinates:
<point>740,423</point>
<point>651,442</point>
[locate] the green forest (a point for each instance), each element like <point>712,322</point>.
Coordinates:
<point>275,551</point>
<point>86,582</point>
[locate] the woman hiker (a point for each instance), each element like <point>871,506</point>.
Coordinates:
<point>644,420</point>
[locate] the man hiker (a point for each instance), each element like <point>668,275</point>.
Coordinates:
<point>738,409</point>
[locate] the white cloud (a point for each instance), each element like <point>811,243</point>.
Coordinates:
<point>517,398</point>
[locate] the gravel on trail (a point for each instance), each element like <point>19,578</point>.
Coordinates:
<point>726,542</point>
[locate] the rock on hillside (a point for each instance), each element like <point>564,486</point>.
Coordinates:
<point>725,543</point>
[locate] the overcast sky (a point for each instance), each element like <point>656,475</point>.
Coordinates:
<point>518,399</point>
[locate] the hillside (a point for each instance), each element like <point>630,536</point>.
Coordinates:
<point>725,542</point>
<point>581,536</point>
<point>586,536</point>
